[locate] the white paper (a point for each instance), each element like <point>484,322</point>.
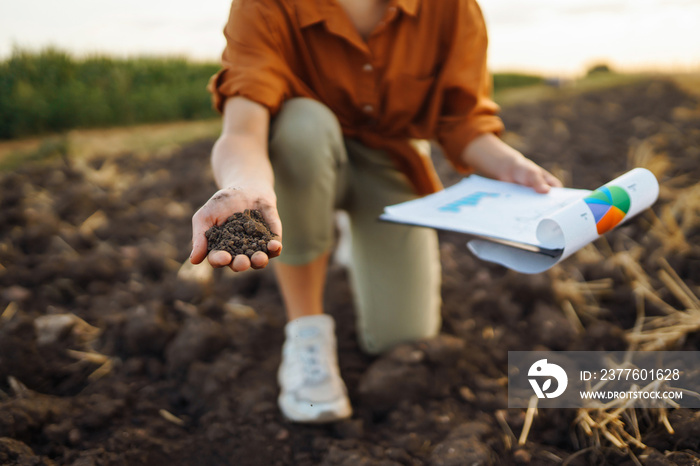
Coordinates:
<point>521,229</point>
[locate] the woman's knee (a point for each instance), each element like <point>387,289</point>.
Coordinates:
<point>304,117</point>
<point>308,176</point>
<point>305,137</point>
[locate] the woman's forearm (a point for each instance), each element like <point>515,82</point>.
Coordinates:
<point>240,156</point>
<point>240,160</point>
<point>490,156</point>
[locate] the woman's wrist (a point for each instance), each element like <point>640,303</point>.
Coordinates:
<point>488,155</point>
<point>236,163</point>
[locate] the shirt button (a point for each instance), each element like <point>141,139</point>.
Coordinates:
<point>368,67</point>
<point>368,108</point>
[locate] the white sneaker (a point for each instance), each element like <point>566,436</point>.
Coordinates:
<point>311,388</point>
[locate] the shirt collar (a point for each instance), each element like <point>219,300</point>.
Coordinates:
<point>409,6</point>
<point>314,11</point>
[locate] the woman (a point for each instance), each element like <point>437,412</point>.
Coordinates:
<point>328,104</point>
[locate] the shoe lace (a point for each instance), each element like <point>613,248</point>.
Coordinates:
<point>312,365</point>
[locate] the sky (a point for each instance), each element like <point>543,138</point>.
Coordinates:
<point>551,37</point>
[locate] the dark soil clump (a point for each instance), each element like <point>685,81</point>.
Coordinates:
<point>243,233</point>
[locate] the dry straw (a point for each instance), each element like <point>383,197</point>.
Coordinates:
<point>617,424</point>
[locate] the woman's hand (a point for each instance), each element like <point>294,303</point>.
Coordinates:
<point>492,157</point>
<point>242,168</point>
<point>524,171</point>
<point>220,207</point>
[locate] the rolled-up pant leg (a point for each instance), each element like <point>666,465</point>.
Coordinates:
<point>395,269</point>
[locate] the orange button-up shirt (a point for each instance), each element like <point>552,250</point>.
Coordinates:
<point>421,74</point>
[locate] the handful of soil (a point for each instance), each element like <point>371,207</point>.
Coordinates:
<point>242,233</point>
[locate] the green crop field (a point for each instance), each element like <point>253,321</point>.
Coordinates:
<point>51,91</point>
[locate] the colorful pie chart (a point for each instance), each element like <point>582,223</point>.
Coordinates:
<point>609,206</point>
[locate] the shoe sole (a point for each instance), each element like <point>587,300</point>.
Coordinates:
<point>329,412</point>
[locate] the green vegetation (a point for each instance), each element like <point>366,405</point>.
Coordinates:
<point>502,81</point>
<point>50,91</point>
<point>600,68</point>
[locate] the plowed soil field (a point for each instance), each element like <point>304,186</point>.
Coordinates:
<point>114,353</point>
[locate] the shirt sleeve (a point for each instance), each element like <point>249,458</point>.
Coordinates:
<point>253,65</point>
<point>467,110</point>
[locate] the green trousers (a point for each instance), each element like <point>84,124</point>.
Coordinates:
<point>395,269</point>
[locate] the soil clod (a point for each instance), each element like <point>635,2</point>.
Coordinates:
<point>243,233</point>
